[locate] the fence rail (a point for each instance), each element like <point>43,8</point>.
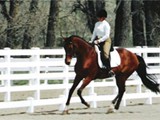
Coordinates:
<point>37,66</point>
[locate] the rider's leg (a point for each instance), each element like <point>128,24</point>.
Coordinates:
<point>106,51</point>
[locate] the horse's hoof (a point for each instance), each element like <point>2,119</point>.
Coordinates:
<point>65,112</point>
<point>111,110</point>
<point>88,105</point>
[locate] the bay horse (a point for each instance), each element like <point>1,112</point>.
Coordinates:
<point>87,69</point>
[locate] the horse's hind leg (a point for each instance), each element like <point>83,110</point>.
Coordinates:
<point>115,99</point>
<point>121,91</point>
<point>79,92</point>
<point>120,81</point>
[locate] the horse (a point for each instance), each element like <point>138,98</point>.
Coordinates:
<point>87,69</point>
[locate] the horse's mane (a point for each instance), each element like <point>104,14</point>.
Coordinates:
<point>77,37</point>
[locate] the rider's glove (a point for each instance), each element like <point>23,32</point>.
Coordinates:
<point>90,41</point>
<point>96,42</point>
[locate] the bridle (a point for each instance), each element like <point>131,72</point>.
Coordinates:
<point>70,52</point>
<point>69,49</point>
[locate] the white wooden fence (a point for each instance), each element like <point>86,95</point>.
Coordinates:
<point>38,66</point>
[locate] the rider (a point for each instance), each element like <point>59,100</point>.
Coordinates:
<point>101,37</point>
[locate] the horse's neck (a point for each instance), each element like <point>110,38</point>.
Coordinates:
<point>83,49</point>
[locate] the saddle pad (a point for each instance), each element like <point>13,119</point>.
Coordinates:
<point>115,58</point>
<point>114,55</point>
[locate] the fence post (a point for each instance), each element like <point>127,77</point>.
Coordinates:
<point>7,72</point>
<point>149,99</point>
<point>36,71</point>
<point>145,55</point>
<point>124,100</point>
<point>66,86</point>
<point>2,81</point>
<point>62,105</point>
<point>31,106</point>
<point>46,71</point>
<point>115,89</point>
<point>93,95</point>
<point>139,86</point>
<point>66,80</point>
<point>140,54</point>
<point>2,72</point>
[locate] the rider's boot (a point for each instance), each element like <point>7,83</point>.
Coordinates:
<point>107,65</point>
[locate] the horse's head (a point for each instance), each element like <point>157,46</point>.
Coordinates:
<point>75,45</point>
<point>69,50</point>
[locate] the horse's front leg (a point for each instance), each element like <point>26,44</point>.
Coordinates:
<point>86,81</point>
<point>75,84</point>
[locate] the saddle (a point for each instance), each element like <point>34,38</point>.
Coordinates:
<point>114,57</point>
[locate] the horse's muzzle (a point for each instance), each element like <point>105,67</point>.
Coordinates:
<point>67,61</point>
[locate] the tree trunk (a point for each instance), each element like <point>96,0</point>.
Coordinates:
<point>90,8</point>
<point>27,38</point>
<point>51,38</point>
<point>93,8</point>
<point>90,14</point>
<point>138,23</point>
<point>11,19</point>
<point>152,16</point>
<point>122,24</point>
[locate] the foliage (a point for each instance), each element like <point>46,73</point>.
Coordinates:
<point>34,26</point>
<point>68,23</point>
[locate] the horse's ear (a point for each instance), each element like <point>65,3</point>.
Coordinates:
<point>64,38</point>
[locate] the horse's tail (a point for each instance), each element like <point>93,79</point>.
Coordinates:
<point>148,80</point>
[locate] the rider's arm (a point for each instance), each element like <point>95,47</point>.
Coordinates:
<point>106,32</point>
<point>94,33</point>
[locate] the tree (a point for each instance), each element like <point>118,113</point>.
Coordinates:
<point>138,23</point>
<point>89,8</point>
<point>122,23</point>
<point>152,21</point>
<point>10,16</point>
<point>51,38</point>
<point>27,37</point>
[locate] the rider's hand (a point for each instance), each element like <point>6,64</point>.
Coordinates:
<point>90,41</point>
<point>96,42</point>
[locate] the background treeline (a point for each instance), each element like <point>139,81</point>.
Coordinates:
<point>42,23</point>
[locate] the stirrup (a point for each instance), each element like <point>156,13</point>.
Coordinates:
<point>111,73</point>
<point>106,67</point>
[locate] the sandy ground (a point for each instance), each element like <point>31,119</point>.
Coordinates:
<point>135,110</point>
